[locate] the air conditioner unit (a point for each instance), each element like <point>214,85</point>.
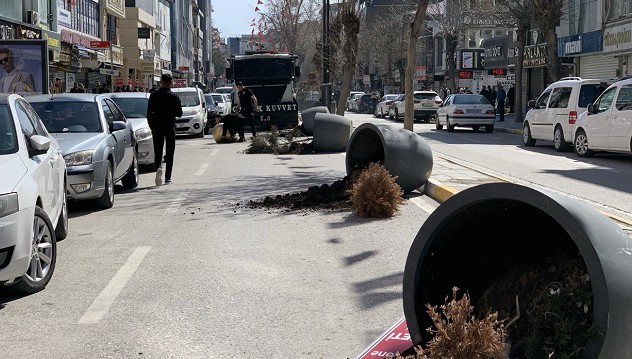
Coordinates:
<point>32,17</point>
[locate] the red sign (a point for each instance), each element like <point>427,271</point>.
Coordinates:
<point>466,74</point>
<point>99,45</point>
<point>420,72</point>
<point>183,68</point>
<point>393,341</point>
<point>179,83</point>
<point>118,82</point>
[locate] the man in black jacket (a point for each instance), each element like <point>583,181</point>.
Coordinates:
<point>248,104</point>
<point>163,108</point>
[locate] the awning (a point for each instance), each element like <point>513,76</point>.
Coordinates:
<point>85,52</point>
<point>166,72</point>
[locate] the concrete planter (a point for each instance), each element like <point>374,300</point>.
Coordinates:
<point>331,132</point>
<point>308,118</point>
<point>401,152</point>
<point>477,235</point>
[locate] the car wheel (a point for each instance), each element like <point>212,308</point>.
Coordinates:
<point>438,125</point>
<point>43,255</point>
<point>527,140</point>
<point>558,140</point>
<point>61,230</point>
<point>375,113</point>
<point>581,145</point>
<point>382,113</point>
<point>476,128</point>
<point>132,177</point>
<point>450,127</point>
<point>489,128</point>
<point>397,115</point>
<point>390,113</point>
<point>107,198</point>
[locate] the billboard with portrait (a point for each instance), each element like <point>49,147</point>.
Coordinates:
<point>23,67</point>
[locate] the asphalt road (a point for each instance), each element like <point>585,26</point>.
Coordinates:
<point>604,181</point>
<point>180,271</point>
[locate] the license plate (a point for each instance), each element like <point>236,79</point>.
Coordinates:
<point>181,125</point>
<point>473,111</point>
<point>426,105</point>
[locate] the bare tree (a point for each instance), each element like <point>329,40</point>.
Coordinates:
<point>449,17</point>
<point>350,28</point>
<point>415,28</point>
<point>547,15</point>
<point>521,14</point>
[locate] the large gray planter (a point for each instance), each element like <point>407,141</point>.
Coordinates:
<point>331,132</point>
<point>308,118</point>
<point>477,235</point>
<point>403,153</point>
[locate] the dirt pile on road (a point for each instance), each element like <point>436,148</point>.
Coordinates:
<point>333,196</point>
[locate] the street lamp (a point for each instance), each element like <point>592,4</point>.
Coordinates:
<point>326,87</point>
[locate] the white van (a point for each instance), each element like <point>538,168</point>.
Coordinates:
<point>193,120</point>
<point>553,115</point>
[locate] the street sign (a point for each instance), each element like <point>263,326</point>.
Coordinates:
<point>395,340</point>
<point>99,45</point>
<point>144,33</point>
<point>420,72</point>
<point>366,79</point>
<point>478,75</point>
<point>108,72</point>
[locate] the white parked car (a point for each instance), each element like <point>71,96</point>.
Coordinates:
<point>552,116</point>
<point>193,120</point>
<point>426,104</point>
<point>351,99</point>
<point>223,103</point>
<point>466,110</point>
<point>381,110</point>
<point>33,211</point>
<point>607,123</point>
<point>353,102</point>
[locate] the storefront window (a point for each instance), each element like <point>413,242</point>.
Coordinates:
<point>11,9</point>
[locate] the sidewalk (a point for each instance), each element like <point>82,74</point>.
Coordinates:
<point>509,125</point>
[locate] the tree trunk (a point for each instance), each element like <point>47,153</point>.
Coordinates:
<point>553,64</point>
<point>451,69</point>
<point>521,39</point>
<point>351,25</point>
<point>401,69</point>
<point>411,52</point>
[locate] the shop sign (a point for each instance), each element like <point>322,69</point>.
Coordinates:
<point>496,52</point>
<point>580,44</point>
<point>148,68</point>
<point>7,30</point>
<point>118,82</point>
<point>144,33</point>
<point>99,45</point>
<point>497,72</point>
<point>534,56</point>
<point>481,19</point>
<point>72,37</point>
<point>478,75</point>
<point>64,18</point>
<point>53,40</point>
<point>26,33</point>
<point>472,59</point>
<point>420,72</point>
<point>179,82</point>
<point>117,55</point>
<point>466,75</point>
<point>617,38</point>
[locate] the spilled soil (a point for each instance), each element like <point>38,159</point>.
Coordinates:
<point>332,197</point>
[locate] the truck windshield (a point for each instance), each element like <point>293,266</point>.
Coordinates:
<point>266,68</point>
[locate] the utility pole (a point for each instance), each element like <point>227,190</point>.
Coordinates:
<point>326,86</point>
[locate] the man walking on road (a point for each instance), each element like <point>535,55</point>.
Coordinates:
<point>500,101</point>
<point>162,109</point>
<point>248,104</point>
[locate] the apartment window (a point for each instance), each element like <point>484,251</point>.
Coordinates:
<point>112,23</point>
<point>84,15</point>
<point>627,7</point>
<point>11,9</point>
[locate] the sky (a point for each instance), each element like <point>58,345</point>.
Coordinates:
<point>233,17</point>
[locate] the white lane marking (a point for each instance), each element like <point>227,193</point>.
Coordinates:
<point>202,169</point>
<point>174,205</point>
<point>106,298</point>
<point>424,205</point>
<point>214,152</point>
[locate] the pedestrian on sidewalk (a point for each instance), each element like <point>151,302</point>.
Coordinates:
<point>511,97</point>
<point>248,104</point>
<point>80,89</point>
<point>493,95</point>
<point>500,100</point>
<point>74,88</point>
<point>162,109</point>
<point>484,93</point>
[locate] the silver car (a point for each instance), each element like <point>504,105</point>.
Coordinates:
<point>97,143</point>
<point>134,107</point>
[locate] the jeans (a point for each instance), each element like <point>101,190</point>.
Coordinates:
<point>160,136</point>
<point>501,109</point>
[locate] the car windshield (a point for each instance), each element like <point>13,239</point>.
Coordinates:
<point>589,93</point>
<point>189,99</point>
<point>132,107</point>
<point>470,100</point>
<point>8,138</point>
<point>218,98</point>
<point>425,96</point>
<point>69,116</point>
<point>224,90</point>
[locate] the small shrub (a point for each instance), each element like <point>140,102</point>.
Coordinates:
<point>457,334</point>
<point>375,194</point>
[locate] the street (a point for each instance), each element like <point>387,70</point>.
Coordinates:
<point>187,271</point>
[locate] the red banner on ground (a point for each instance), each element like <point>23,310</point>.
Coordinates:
<point>393,341</point>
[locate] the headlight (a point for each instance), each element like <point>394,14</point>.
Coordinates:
<point>8,204</point>
<point>78,158</point>
<point>194,112</point>
<point>142,134</point>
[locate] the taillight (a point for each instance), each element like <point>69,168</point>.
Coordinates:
<point>438,101</point>
<point>490,112</point>
<point>572,117</point>
<point>388,103</point>
<point>458,112</point>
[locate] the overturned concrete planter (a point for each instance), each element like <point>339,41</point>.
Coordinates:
<point>331,132</point>
<point>477,235</point>
<point>402,152</point>
<point>308,118</point>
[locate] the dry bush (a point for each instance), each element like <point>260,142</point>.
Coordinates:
<point>457,334</point>
<point>375,194</point>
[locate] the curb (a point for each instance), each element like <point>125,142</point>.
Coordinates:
<point>509,130</point>
<point>438,191</point>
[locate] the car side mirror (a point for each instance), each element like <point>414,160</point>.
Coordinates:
<point>39,145</point>
<point>117,126</point>
<point>591,109</point>
<point>203,104</point>
<point>531,104</point>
